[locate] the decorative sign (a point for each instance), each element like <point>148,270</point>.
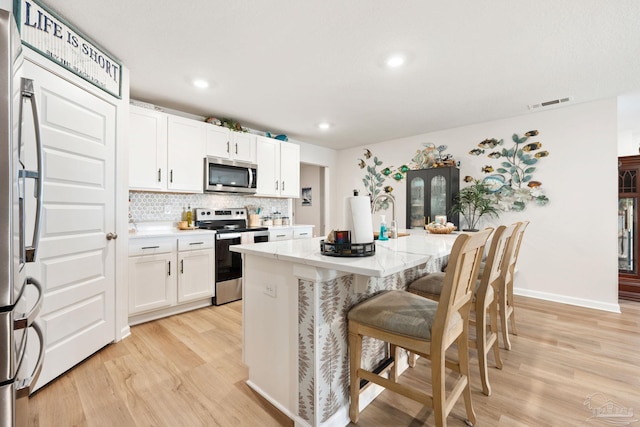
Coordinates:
<point>53,37</point>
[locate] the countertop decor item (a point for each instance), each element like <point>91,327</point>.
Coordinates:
<point>435,228</point>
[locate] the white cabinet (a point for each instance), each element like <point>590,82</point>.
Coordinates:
<point>278,168</point>
<point>152,274</point>
<point>230,145</point>
<point>147,149</point>
<point>196,262</point>
<point>166,152</point>
<point>280,234</point>
<point>186,148</point>
<point>168,275</point>
<point>303,232</point>
<point>289,233</point>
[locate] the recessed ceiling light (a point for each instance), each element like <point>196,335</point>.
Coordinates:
<point>324,126</point>
<point>201,84</point>
<point>395,61</point>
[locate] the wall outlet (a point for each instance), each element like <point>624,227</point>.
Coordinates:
<point>270,289</point>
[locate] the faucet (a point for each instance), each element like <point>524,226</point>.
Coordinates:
<point>393,230</point>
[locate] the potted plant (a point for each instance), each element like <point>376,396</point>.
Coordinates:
<point>473,202</point>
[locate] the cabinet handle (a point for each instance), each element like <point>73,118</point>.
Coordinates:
<point>280,235</point>
<point>151,247</point>
<point>236,148</point>
<point>169,268</point>
<point>159,175</point>
<point>196,243</point>
<point>171,175</point>
<point>282,185</point>
<point>227,146</point>
<point>181,266</point>
<point>276,185</point>
<point>303,234</point>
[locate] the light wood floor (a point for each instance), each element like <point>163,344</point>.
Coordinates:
<point>186,370</point>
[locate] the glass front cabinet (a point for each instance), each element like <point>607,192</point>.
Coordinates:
<point>628,252</point>
<point>430,192</point>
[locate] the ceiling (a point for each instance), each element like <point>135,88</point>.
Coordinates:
<point>284,65</point>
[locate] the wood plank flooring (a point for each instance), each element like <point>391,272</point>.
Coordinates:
<point>187,370</point>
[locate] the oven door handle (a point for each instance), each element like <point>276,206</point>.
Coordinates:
<point>228,236</point>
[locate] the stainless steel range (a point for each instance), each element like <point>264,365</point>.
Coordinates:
<point>231,228</point>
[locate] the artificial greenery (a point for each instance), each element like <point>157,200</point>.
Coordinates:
<point>473,202</point>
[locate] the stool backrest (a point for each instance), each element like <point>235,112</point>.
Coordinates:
<point>513,250</point>
<point>498,251</point>
<point>459,283</point>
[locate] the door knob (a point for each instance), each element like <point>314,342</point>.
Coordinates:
<point>112,236</point>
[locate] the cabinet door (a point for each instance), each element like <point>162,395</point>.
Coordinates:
<point>186,148</point>
<point>289,170</point>
<point>431,192</point>
<point>196,275</point>
<point>268,160</point>
<point>147,149</point>
<point>152,282</point>
<point>218,141</point>
<point>243,147</point>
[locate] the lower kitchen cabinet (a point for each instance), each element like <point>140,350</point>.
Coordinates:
<point>169,275</point>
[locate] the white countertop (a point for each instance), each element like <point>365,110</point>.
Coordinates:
<point>392,256</point>
<point>170,229</point>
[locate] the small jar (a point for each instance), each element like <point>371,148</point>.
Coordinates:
<point>267,221</point>
<point>285,220</point>
<point>277,220</point>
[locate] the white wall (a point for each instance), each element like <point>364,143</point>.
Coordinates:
<point>569,251</point>
<point>310,176</point>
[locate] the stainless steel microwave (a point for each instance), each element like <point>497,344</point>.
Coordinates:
<point>229,176</point>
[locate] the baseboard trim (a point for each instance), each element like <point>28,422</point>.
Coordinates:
<point>581,302</point>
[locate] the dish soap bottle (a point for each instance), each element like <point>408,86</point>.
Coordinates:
<point>189,217</point>
<point>383,229</point>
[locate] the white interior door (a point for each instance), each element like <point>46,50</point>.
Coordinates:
<point>76,264</point>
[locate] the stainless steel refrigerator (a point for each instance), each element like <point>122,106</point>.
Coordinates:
<point>17,310</point>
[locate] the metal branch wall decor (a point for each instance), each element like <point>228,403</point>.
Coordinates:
<point>374,179</point>
<point>513,186</point>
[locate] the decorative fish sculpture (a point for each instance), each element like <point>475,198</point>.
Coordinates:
<point>476,152</point>
<point>487,169</point>
<point>490,143</point>
<point>398,176</point>
<point>386,171</point>
<point>367,153</point>
<point>494,155</point>
<point>388,189</point>
<point>534,184</point>
<point>468,178</point>
<point>361,163</point>
<point>531,133</point>
<point>541,154</point>
<point>532,146</point>
<point>404,169</point>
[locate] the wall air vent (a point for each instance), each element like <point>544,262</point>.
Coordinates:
<point>552,103</point>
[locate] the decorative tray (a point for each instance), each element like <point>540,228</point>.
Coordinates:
<point>347,249</point>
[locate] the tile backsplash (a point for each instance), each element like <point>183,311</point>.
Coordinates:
<point>149,206</point>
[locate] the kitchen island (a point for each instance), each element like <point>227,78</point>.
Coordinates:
<point>295,318</point>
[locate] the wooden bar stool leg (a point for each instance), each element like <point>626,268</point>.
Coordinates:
<point>394,351</point>
<point>493,314</point>
<point>355,348</point>
<point>438,388</point>
<point>481,342</point>
<point>463,357</point>
<point>512,313</point>
<point>504,317</point>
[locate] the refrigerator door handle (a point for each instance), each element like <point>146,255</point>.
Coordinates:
<point>23,387</point>
<point>38,175</point>
<point>28,319</point>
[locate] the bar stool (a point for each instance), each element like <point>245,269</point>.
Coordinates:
<point>505,292</point>
<point>486,300</point>
<point>424,327</point>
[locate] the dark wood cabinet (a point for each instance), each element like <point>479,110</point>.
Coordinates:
<point>430,192</point>
<point>628,251</point>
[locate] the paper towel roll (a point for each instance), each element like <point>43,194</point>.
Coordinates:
<point>357,219</point>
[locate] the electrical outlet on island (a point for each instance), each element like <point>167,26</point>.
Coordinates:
<point>270,289</point>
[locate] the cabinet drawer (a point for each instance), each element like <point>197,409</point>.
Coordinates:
<point>151,246</point>
<point>283,234</point>
<point>302,233</point>
<point>200,241</point>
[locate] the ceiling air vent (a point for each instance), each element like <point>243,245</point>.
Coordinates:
<point>552,103</point>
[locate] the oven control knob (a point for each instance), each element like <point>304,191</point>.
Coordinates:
<point>208,212</point>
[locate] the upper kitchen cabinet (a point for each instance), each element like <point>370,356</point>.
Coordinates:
<point>186,151</point>
<point>166,152</point>
<point>278,168</point>
<point>147,149</point>
<point>231,145</point>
